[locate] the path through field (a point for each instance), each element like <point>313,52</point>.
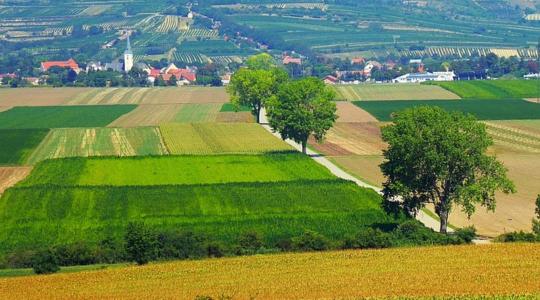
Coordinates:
<point>9,176</point>
<point>427,220</point>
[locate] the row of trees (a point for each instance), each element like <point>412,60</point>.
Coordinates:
<point>433,156</point>
<point>297,109</point>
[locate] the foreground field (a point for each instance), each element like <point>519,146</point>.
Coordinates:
<point>510,109</point>
<point>392,92</point>
<point>492,89</point>
<point>214,138</point>
<point>84,142</point>
<point>93,96</point>
<point>62,116</point>
<point>494,270</point>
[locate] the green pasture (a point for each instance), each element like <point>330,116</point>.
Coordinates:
<point>16,145</point>
<point>492,89</point>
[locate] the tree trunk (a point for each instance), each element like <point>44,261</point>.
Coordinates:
<point>443,215</point>
<point>304,146</point>
<point>258,116</point>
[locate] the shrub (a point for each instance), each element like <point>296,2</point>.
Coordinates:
<point>181,245</point>
<point>536,228</point>
<point>215,249</point>
<point>138,243</point>
<point>20,259</point>
<point>466,234</point>
<point>45,262</point>
<point>110,251</point>
<point>249,243</point>
<point>513,237</point>
<point>369,238</point>
<point>75,254</point>
<point>310,241</point>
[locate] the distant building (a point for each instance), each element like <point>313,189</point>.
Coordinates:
<point>128,57</point>
<point>70,64</point>
<point>357,61</point>
<point>415,61</point>
<point>423,77</point>
<point>531,76</point>
<point>226,79</point>
<point>330,80</point>
<point>291,60</point>
<point>183,76</point>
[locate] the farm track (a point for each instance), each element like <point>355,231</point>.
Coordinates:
<point>9,176</point>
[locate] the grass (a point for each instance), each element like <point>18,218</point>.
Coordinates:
<point>62,116</point>
<point>499,271</point>
<point>18,144</point>
<point>392,92</point>
<point>229,107</point>
<point>220,138</point>
<point>7,273</point>
<point>171,170</point>
<point>83,142</point>
<point>276,210</point>
<point>492,89</point>
<point>509,109</point>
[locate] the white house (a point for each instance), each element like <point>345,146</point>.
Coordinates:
<point>423,77</point>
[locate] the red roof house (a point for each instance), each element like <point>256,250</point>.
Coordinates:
<point>291,60</point>
<point>71,64</point>
<point>183,74</point>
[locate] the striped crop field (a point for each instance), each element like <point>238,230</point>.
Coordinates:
<point>510,135</point>
<point>392,92</point>
<point>502,271</point>
<point>77,142</point>
<point>148,115</point>
<point>492,89</point>
<point>214,138</point>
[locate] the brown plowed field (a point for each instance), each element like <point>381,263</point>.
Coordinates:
<point>352,138</point>
<point>9,176</point>
<point>38,96</point>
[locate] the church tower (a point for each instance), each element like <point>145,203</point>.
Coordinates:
<point>128,57</point>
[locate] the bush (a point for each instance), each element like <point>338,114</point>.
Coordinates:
<point>138,243</point>
<point>536,228</point>
<point>75,254</point>
<point>215,249</point>
<point>369,238</point>
<point>249,243</point>
<point>181,245</point>
<point>466,234</point>
<point>513,237</point>
<point>110,251</point>
<point>45,262</point>
<point>310,241</point>
<point>20,259</point>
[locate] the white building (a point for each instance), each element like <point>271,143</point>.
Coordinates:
<point>423,77</point>
<point>128,57</point>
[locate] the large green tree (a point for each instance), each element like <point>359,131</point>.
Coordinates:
<point>255,85</point>
<point>438,157</point>
<point>303,108</point>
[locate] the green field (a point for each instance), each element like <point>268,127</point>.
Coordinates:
<point>511,109</point>
<point>16,145</point>
<point>171,170</point>
<point>83,142</point>
<point>392,92</point>
<point>62,116</point>
<point>223,211</point>
<point>229,107</point>
<point>220,138</point>
<point>492,89</point>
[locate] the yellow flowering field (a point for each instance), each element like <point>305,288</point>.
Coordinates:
<point>490,270</point>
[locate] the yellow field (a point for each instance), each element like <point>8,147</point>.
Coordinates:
<point>148,115</point>
<point>88,96</point>
<point>502,269</point>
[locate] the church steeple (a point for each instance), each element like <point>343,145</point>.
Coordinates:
<point>128,57</point>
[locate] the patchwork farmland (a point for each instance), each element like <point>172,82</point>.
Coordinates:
<point>492,89</point>
<point>393,92</point>
<point>18,144</point>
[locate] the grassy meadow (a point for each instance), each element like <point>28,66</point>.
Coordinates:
<point>504,271</point>
<point>492,89</point>
<point>17,145</point>
<point>214,138</point>
<point>503,109</point>
<point>61,116</point>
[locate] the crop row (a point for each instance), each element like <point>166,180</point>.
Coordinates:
<point>190,58</point>
<point>199,32</point>
<point>467,52</point>
<point>173,23</point>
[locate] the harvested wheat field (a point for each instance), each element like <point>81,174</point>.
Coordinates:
<point>352,138</point>
<point>363,167</point>
<point>38,96</point>
<point>514,211</point>
<point>515,136</point>
<point>350,113</point>
<point>4,108</point>
<point>393,92</point>
<point>75,142</point>
<point>148,115</point>
<point>502,269</point>
<point>9,176</point>
<point>187,95</point>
